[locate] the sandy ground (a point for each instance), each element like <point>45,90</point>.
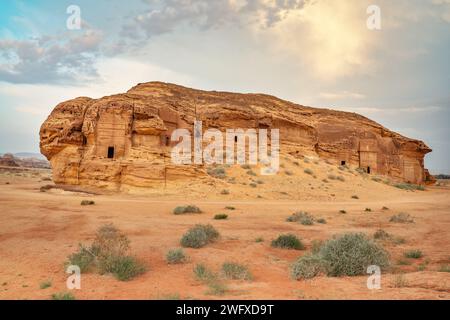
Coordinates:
<point>38,230</point>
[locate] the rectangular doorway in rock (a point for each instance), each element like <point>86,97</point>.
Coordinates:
<point>342,163</point>
<point>368,170</point>
<point>110,152</point>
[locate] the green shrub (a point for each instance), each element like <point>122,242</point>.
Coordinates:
<point>87,202</point>
<point>444,268</point>
<point>175,256</point>
<point>380,234</point>
<point>221,216</point>
<point>251,173</point>
<point>308,171</point>
<point>350,254</point>
<point>202,273</point>
<point>199,236</point>
<point>219,172</point>
<point>216,288</point>
<point>63,296</point>
<point>400,281</point>
<point>83,258</point>
<point>401,218</point>
<point>123,268</point>
<point>236,271</point>
<point>186,209</point>
<point>108,254</point>
<point>413,254</point>
<point>301,217</point>
<point>321,220</point>
<point>307,267</point>
<point>45,284</point>
<point>230,208</point>
<point>259,239</point>
<point>409,186</point>
<point>287,241</point>
<point>403,262</point>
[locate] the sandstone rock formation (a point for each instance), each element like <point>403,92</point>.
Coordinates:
<point>10,160</point>
<point>124,139</point>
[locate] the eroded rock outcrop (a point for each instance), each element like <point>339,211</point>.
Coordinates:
<point>124,140</point>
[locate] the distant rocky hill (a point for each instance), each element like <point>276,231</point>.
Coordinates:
<point>25,160</point>
<point>124,139</point>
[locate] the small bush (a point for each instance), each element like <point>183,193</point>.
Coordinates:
<point>230,208</point>
<point>46,187</point>
<point>401,218</point>
<point>108,255</point>
<point>301,217</point>
<point>380,234</point>
<point>288,241</point>
<point>308,171</point>
<point>251,173</point>
<point>83,258</point>
<point>413,254</point>
<point>350,254</point>
<point>123,268</point>
<point>225,191</point>
<point>384,208</point>
<point>175,256</point>
<point>307,267</point>
<point>321,220</point>
<point>355,196</point>
<point>221,216</point>
<point>236,271</point>
<point>400,281</point>
<point>45,284</point>
<point>409,186</point>
<point>202,273</point>
<point>63,296</point>
<point>444,268</point>
<point>403,262</point>
<point>186,209</point>
<point>368,210</point>
<point>199,236</point>
<point>259,239</point>
<point>342,211</point>
<point>87,203</point>
<point>246,167</point>
<point>219,172</point>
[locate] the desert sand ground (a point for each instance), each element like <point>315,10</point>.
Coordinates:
<point>38,230</point>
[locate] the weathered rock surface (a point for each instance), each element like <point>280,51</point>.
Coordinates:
<point>124,140</point>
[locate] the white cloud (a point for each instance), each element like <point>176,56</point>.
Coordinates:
<point>342,95</point>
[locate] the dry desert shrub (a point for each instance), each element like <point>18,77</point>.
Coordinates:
<point>186,209</point>
<point>236,271</point>
<point>348,254</point>
<point>176,256</point>
<point>401,218</point>
<point>287,241</point>
<point>199,236</point>
<point>87,202</point>
<point>108,254</point>
<point>301,217</point>
<point>413,254</point>
<point>219,172</point>
<point>221,216</point>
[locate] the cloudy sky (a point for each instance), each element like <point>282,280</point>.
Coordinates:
<point>313,52</point>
